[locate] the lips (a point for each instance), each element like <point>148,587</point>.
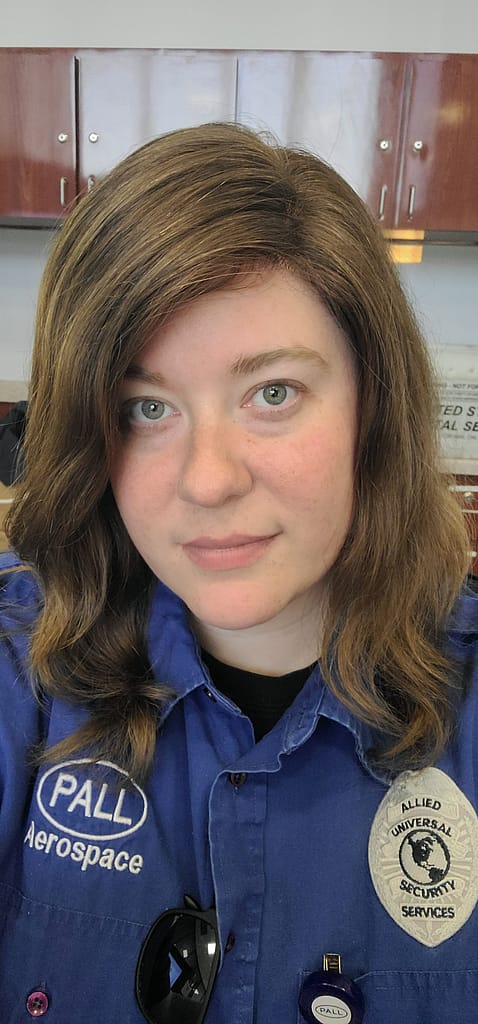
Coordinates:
<point>234,540</point>
<point>236,551</point>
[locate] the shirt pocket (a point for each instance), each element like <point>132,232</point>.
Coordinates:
<point>82,965</point>
<point>416,997</point>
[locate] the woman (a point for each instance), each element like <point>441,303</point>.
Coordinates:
<point>238,608</point>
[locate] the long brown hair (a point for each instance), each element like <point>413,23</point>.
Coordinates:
<point>184,215</point>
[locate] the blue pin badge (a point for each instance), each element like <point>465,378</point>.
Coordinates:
<point>328,995</point>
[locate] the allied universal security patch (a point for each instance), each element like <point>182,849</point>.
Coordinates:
<point>423,855</point>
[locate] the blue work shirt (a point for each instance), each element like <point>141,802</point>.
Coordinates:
<point>275,834</point>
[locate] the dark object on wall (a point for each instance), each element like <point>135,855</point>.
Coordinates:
<point>12,429</point>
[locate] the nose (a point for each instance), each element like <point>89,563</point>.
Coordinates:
<point>214,467</point>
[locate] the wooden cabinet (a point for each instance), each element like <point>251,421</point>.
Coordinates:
<point>126,97</point>
<point>402,129</point>
<point>345,107</point>
<point>37,133</point>
<point>440,144</point>
<point>111,101</point>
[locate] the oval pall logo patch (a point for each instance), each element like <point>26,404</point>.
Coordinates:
<point>423,855</point>
<point>327,1008</point>
<point>91,800</point>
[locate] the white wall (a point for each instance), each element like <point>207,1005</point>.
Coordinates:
<point>22,258</point>
<point>444,292</point>
<point>420,25</point>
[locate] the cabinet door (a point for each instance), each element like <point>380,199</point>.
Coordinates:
<point>439,190</point>
<point>37,133</point>
<point>127,97</point>
<point>345,107</point>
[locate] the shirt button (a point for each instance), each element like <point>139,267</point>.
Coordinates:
<point>237,778</point>
<point>37,1004</point>
<point>231,938</point>
<point>209,694</point>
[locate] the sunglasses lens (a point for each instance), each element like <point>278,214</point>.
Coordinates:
<point>176,969</point>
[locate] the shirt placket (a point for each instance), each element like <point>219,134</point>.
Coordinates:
<point>237,820</point>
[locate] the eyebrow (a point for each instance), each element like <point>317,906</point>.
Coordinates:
<point>135,372</point>
<point>242,366</point>
<point>249,364</point>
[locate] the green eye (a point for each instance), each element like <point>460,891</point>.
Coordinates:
<point>151,409</point>
<point>139,412</point>
<point>274,394</point>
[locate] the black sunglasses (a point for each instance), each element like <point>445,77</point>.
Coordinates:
<point>177,965</point>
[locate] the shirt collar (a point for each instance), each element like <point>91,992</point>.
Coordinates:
<point>175,659</point>
<point>172,647</point>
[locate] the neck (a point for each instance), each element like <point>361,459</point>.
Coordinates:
<point>288,642</point>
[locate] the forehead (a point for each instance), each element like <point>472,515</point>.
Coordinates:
<point>257,312</point>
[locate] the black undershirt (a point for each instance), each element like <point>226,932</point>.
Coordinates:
<point>262,698</point>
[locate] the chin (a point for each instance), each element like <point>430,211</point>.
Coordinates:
<point>231,622</point>
<point>232,616</point>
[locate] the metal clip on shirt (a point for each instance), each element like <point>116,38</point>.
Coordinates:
<point>328,995</point>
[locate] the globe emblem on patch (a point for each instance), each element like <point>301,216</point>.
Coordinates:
<point>424,857</point>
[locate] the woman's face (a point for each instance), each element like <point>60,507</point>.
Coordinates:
<point>234,472</point>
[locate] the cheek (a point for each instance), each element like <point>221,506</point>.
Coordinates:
<point>123,480</point>
<point>312,473</point>
<point>134,488</point>
<point>135,477</point>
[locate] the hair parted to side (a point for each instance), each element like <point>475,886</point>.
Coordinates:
<point>186,214</point>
